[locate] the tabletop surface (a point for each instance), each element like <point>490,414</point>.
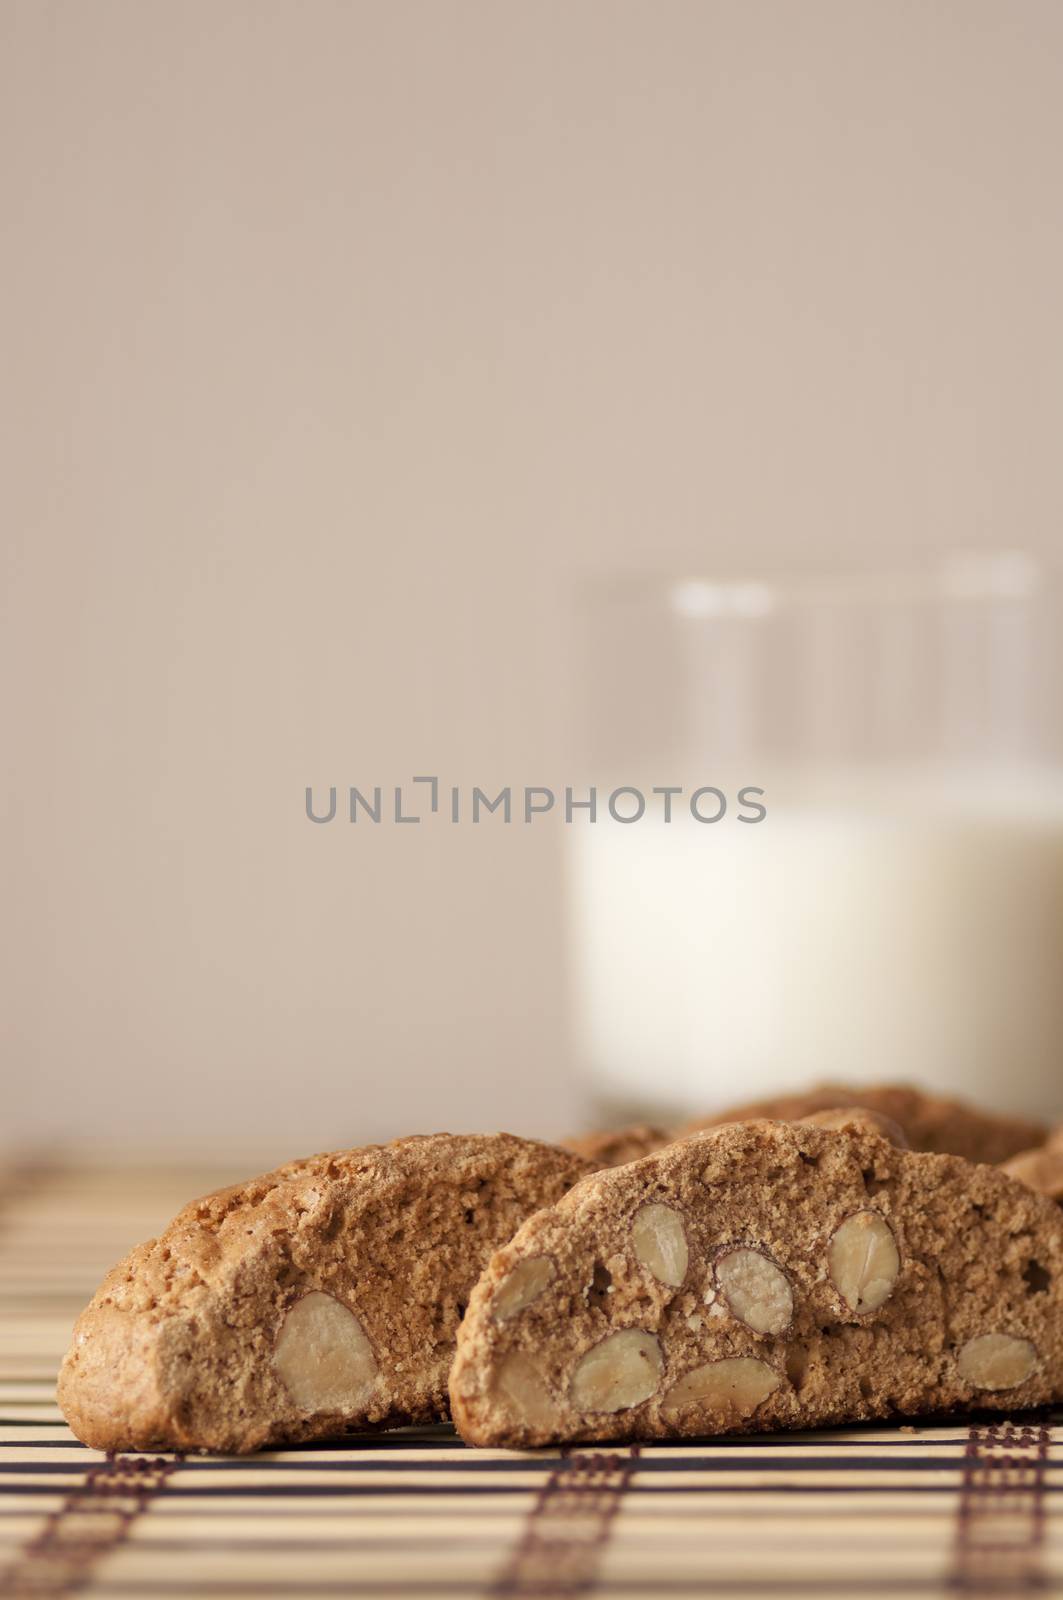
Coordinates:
<point>970,1505</point>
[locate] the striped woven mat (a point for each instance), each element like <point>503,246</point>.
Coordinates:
<point>970,1506</point>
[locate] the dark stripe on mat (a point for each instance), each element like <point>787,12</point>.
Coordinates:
<point>401,1588</point>
<point>568,1527</point>
<point>469,1491</point>
<point>1001,1517</point>
<point>93,1520</point>
<point>711,1461</point>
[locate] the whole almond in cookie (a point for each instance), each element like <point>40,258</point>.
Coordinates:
<point>759,1276</point>
<point>321,1298</point>
<point>1040,1169</point>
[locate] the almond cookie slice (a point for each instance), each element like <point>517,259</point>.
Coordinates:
<point>613,1147</point>
<point>319,1299</point>
<point>950,1127</point>
<point>761,1276</point>
<point>857,1119</point>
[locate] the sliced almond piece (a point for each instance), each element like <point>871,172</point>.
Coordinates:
<point>755,1289</point>
<point>730,1390</point>
<point>524,1392</point>
<point>659,1241</point>
<point>621,1371</point>
<point>997,1361</point>
<point>864,1260</point>
<point>1039,1169</point>
<point>322,1355</point>
<point>521,1286</point>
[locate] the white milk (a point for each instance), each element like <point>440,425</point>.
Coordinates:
<point>921,941</point>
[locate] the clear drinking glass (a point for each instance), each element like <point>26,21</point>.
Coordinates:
<point>898,914</point>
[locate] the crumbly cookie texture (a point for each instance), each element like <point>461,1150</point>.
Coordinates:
<point>614,1147</point>
<point>761,1276</point>
<point>321,1298</point>
<point>948,1127</point>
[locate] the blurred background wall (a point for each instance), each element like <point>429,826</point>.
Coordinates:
<point>342,343</point>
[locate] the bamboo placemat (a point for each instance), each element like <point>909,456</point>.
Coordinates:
<point>925,1510</point>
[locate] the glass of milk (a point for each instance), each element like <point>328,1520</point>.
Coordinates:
<point>898,912</point>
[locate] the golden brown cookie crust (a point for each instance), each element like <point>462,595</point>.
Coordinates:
<point>179,1346</point>
<point>761,1276</point>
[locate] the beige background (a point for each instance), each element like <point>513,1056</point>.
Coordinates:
<point>340,341</point>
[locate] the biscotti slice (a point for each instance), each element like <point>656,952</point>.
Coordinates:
<point>318,1299</point>
<point>616,1147</point>
<point>931,1122</point>
<point>613,1147</point>
<point>858,1119</point>
<point>762,1276</point>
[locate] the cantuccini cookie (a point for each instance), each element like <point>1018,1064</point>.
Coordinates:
<point>948,1127</point>
<point>759,1276</point>
<point>857,1119</point>
<point>321,1298</point>
<point>614,1147</point>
